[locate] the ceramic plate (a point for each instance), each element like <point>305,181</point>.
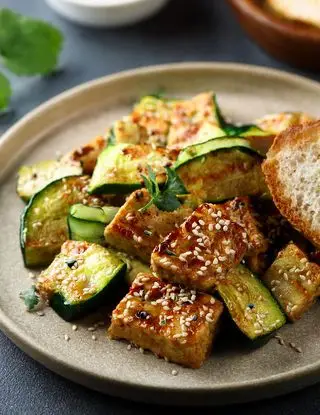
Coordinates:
<point>234,372</point>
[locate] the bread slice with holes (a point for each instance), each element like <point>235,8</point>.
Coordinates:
<point>292,174</point>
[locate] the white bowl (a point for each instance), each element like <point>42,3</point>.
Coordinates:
<point>106,13</point>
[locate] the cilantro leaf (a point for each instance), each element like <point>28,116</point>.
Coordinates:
<point>28,46</point>
<point>167,201</point>
<point>174,183</point>
<point>5,91</point>
<point>30,298</point>
<point>166,198</point>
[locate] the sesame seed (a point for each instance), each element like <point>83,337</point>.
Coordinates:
<point>66,337</point>
<point>201,222</point>
<point>303,260</point>
<point>218,227</point>
<point>74,327</point>
<point>141,350</point>
<point>225,228</point>
<point>174,372</point>
<point>215,261</point>
<point>91,329</point>
<point>93,337</point>
<point>40,313</point>
<point>219,270</point>
<point>129,347</point>
<point>210,227</point>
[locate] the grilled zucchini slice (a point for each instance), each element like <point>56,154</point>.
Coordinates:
<point>250,304</point>
<point>33,178</point>
<point>221,169</point>
<point>44,225</point>
<point>87,223</point>
<point>119,167</point>
<point>81,278</point>
<point>294,281</point>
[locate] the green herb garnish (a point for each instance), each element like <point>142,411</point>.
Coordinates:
<point>231,130</point>
<point>27,47</point>
<point>165,198</point>
<point>30,298</point>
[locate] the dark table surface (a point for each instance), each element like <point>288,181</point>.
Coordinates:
<point>187,30</point>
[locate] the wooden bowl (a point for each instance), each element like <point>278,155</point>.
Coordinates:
<point>291,41</point>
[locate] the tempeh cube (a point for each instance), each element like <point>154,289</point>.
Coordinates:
<point>294,281</point>
<point>172,322</point>
<point>202,250</point>
<point>242,212</point>
<point>137,233</point>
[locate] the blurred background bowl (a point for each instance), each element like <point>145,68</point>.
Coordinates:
<point>106,13</point>
<point>291,41</point>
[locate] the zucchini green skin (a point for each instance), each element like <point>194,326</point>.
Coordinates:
<point>119,168</point>
<point>221,169</point>
<point>31,179</point>
<point>87,223</point>
<point>43,225</point>
<point>250,303</point>
<point>79,267</point>
<point>109,294</point>
<point>232,130</point>
<point>220,143</point>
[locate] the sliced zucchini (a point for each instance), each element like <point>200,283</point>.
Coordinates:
<point>250,304</point>
<point>221,169</point>
<point>294,281</point>
<point>33,178</point>
<point>190,118</point>
<point>87,223</point>
<point>134,265</point>
<point>44,225</point>
<point>119,168</point>
<point>126,131</point>
<point>237,130</point>
<point>81,278</point>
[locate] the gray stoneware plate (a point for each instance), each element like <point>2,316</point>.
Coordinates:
<point>235,372</point>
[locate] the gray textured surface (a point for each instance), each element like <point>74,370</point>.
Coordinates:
<point>187,30</point>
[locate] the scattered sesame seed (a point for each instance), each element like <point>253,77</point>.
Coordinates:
<point>218,227</point>
<point>174,372</point>
<point>74,327</point>
<point>66,337</point>
<point>129,347</point>
<point>93,337</point>
<point>40,313</point>
<point>91,329</point>
<point>141,350</point>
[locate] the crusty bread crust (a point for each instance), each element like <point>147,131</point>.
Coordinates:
<point>294,139</point>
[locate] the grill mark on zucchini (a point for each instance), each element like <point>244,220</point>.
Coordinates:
<point>44,220</point>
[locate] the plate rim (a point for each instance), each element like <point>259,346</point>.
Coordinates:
<point>217,394</point>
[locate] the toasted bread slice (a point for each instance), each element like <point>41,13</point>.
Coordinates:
<point>292,174</point>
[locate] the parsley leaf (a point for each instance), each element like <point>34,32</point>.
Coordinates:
<point>5,91</point>
<point>28,46</point>
<point>30,298</point>
<point>166,198</point>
